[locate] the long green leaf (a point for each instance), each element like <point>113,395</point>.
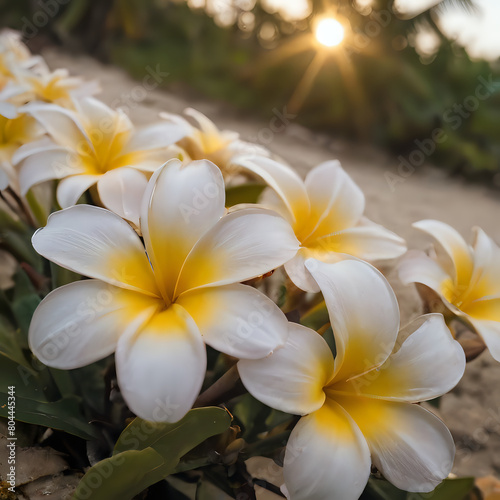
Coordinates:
<point>449,489</point>
<point>63,415</point>
<point>147,452</point>
<point>197,425</point>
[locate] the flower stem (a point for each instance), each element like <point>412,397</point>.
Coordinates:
<point>223,389</point>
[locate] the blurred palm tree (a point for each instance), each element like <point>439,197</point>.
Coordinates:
<point>385,89</point>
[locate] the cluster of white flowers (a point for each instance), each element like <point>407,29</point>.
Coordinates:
<point>167,262</point>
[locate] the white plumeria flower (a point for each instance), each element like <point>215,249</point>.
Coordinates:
<point>14,55</point>
<point>158,306</point>
<point>466,278</point>
<point>56,87</point>
<point>16,129</point>
<point>358,407</point>
<point>207,141</point>
<point>95,145</point>
<point>326,212</point>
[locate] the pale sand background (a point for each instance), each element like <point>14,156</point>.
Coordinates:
<point>472,410</point>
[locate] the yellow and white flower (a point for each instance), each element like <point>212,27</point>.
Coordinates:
<point>95,145</point>
<point>56,87</point>
<point>358,407</point>
<point>16,129</point>
<point>14,55</point>
<point>157,306</point>
<point>326,212</point>
<point>207,141</point>
<point>466,278</point>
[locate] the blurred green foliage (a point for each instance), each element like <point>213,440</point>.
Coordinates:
<point>374,87</point>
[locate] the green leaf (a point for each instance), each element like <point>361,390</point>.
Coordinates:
<point>449,489</point>
<point>380,489</point>
<point>23,310</point>
<point>24,302</point>
<point>20,246</point>
<point>123,476</point>
<point>62,276</point>
<point>63,415</point>
<point>11,342</point>
<point>244,193</point>
<point>32,405</point>
<point>196,426</point>
<point>252,415</point>
<point>90,381</point>
<point>147,452</point>
<point>23,377</point>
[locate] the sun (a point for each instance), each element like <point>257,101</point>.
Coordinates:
<point>329,32</point>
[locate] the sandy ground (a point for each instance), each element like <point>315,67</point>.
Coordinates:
<point>472,410</point>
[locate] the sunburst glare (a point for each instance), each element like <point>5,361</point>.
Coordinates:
<point>329,32</point>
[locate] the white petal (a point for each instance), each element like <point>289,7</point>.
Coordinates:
<point>121,191</point>
<point>336,201</point>
<point>96,243</point>
<point>156,136</point>
<point>298,272</point>
<point>47,165</point>
<point>206,125</point>
<point>80,323</point>
<point>180,204</point>
<point>161,368</point>
<point>326,457</point>
<point>417,267</point>
<point>428,364</point>
<point>34,147</point>
<point>62,125</point>
<point>457,259</point>
<point>99,119</point>
<point>293,377</point>
<point>486,276</point>
<point>367,242</point>
<point>363,311</point>
<point>177,120</point>
<point>269,199</point>
<point>237,320</point>
<point>283,179</point>
<point>410,446</point>
<point>70,189</point>
<point>7,109</point>
<point>108,129</point>
<point>242,245</point>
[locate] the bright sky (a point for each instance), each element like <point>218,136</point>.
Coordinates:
<point>479,32</point>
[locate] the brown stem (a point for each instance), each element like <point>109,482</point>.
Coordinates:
<point>22,206</point>
<point>8,203</point>
<point>225,388</point>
